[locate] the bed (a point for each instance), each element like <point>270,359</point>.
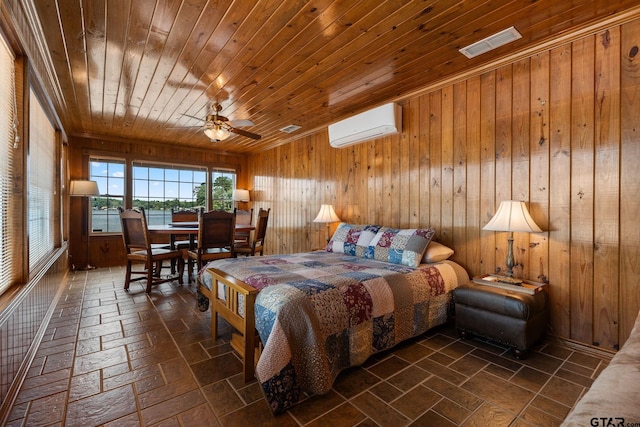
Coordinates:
<point>320,312</point>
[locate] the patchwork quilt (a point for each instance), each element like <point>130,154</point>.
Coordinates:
<point>318,313</point>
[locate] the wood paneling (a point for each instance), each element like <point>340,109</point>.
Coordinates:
<point>606,214</point>
<point>558,130</point>
<point>582,179</point>
<point>629,202</point>
<point>127,68</point>
<point>560,189</point>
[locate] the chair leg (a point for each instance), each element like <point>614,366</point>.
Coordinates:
<point>150,273</point>
<point>198,267</point>
<point>180,270</point>
<point>158,268</point>
<point>127,279</point>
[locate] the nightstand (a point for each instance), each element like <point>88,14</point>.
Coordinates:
<point>515,319</point>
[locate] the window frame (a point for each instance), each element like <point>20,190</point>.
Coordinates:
<point>9,160</point>
<point>38,249</point>
<point>104,183</point>
<point>226,203</point>
<point>129,197</point>
<point>178,182</point>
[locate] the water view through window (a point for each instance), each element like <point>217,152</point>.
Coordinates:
<point>156,188</point>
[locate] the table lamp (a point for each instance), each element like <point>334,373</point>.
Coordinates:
<point>512,216</point>
<point>84,188</point>
<point>240,195</point>
<point>327,215</point>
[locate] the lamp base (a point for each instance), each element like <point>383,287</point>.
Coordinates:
<point>510,262</point>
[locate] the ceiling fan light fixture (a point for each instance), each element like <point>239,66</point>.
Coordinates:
<point>217,133</point>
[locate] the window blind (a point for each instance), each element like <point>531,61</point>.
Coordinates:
<point>42,180</point>
<point>7,155</point>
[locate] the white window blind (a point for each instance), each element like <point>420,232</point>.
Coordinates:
<point>42,180</point>
<point>7,154</point>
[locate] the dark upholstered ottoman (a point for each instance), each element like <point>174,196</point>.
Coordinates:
<point>516,319</point>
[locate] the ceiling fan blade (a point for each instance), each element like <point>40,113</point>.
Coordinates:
<point>245,133</point>
<point>186,127</point>
<point>193,117</point>
<point>240,123</point>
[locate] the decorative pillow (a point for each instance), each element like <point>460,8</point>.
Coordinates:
<point>352,239</point>
<point>400,246</point>
<point>436,252</point>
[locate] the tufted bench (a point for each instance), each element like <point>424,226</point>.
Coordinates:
<point>516,319</point>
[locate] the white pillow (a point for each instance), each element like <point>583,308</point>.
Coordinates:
<point>436,252</point>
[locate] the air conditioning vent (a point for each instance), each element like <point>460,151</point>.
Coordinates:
<point>290,128</point>
<point>375,123</point>
<point>491,42</point>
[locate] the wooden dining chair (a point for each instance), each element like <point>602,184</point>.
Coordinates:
<point>182,241</point>
<point>257,245</point>
<point>184,215</point>
<point>216,231</point>
<point>243,217</point>
<point>139,250</point>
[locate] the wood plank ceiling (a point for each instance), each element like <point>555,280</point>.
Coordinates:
<point>131,69</point>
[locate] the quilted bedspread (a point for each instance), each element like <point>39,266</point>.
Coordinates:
<point>318,313</point>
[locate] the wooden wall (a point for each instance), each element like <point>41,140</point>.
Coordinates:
<point>558,130</point>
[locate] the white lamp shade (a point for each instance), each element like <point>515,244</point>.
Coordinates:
<point>240,195</point>
<point>512,216</point>
<point>326,214</point>
<point>83,188</point>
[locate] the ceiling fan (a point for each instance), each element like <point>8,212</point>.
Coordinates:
<point>218,128</point>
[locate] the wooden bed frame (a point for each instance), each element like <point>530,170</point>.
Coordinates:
<point>246,343</point>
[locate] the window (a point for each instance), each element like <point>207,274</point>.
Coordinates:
<point>159,188</point>
<point>109,174</point>
<point>7,141</point>
<point>42,183</point>
<point>222,184</point>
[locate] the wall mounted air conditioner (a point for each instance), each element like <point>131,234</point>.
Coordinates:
<point>375,123</point>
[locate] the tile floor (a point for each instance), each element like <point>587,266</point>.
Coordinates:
<point>112,358</point>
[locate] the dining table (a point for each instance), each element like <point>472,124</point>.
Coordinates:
<point>183,228</point>
<point>189,228</point>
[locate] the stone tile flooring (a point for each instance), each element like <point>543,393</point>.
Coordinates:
<point>112,358</point>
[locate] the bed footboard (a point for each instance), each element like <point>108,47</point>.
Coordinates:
<point>229,309</point>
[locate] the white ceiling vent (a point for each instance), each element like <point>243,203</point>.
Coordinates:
<point>290,128</point>
<point>491,42</point>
